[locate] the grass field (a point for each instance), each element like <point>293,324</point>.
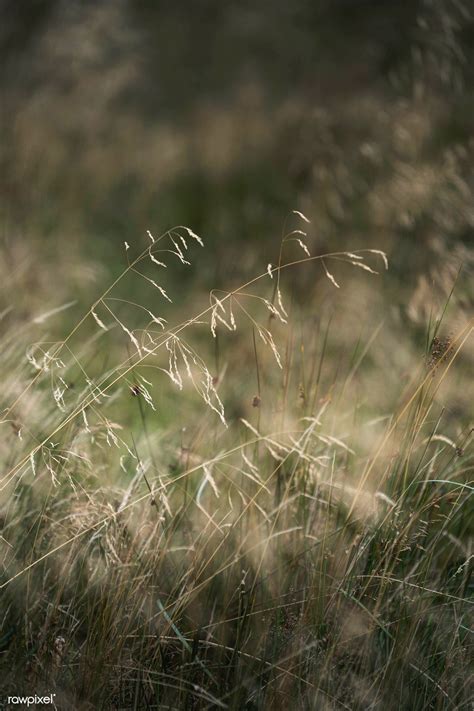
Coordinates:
<point>236,455</point>
<point>221,513</point>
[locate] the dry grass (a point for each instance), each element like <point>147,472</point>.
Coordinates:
<point>279,538</point>
<point>257,497</point>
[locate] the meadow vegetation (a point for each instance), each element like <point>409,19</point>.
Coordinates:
<point>237,454</point>
<point>299,546</point>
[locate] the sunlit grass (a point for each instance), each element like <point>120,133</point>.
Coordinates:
<point>215,512</point>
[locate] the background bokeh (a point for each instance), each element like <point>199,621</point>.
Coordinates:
<point>120,117</point>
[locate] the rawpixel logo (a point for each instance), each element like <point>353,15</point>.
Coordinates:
<point>30,701</point>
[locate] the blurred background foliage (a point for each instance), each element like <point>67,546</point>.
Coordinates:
<point>124,116</point>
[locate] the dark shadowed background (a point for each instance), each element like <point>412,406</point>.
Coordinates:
<point>118,117</point>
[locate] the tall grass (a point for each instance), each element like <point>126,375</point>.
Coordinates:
<point>307,551</point>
